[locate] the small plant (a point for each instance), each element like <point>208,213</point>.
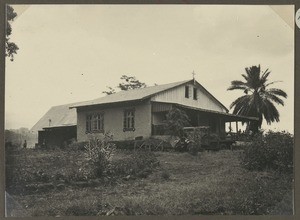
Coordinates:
<point>139,163</point>
<point>75,146</point>
<point>193,148</point>
<point>99,152</point>
<point>165,175</point>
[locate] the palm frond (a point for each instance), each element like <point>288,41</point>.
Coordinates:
<point>277,92</point>
<point>272,83</point>
<point>236,84</point>
<point>239,100</point>
<point>236,87</point>
<point>270,112</point>
<point>245,77</point>
<point>244,106</point>
<point>274,98</point>
<point>264,77</point>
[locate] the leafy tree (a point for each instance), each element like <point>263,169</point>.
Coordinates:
<point>128,83</point>
<point>110,91</point>
<point>176,120</point>
<point>10,47</point>
<point>259,99</point>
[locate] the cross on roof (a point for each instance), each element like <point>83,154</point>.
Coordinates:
<point>193,73</point>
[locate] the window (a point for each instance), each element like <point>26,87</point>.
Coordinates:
<point>128,122</point>
<point>187,89</point>
<point>95,123</point>
<point>195,93</point>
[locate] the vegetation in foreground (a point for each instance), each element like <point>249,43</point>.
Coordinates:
<point>147,183</point>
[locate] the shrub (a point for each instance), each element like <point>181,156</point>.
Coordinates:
<point>152,144</point>
<point>139,163</point>
<point>99,153</point>
<point>127,144</point>
<point>176,120</point>
<point>274,150</point>
<point>77,146</point>
<point>165,175</point>
<point>193,148</point>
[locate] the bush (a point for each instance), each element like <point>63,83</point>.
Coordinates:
<point>176,120</point>
<point>127,144</point>
<point>77,146</point>
<point>11,151</point>
<point>193,148</point>
<point>139,163</point>
<point>99,153</point>
<point>274,151</point>
<point>152,144</point>
<point>36,166</point>
<point>165,175</point>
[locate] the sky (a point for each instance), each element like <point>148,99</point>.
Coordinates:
<point>70,53</point>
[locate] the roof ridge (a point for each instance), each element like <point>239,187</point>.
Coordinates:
<point>183,81</point>
<point>132,94</point>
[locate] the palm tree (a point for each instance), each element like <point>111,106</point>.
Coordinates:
<point>259,99</point>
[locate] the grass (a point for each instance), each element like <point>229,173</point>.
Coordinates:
<point>209,183</point>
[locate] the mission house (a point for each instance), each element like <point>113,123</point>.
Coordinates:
<point>134,113</point>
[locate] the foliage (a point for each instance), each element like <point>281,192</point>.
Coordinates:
<point>10,163</point>
<point>77,146</point>
<point>216,184</point>
<point>259,99</point>
<point>99,152</point>
<point>193,148</point>
<point>165,175</point>
<point>176,120</point>
<point>138,163</point>
<point>10,47</point>
<point>128,83</point>
<point>110,91</point>
<point>274,150</point>
<point>18,136</point>
<point>125,144</point>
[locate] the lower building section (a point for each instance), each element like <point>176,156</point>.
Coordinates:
<point>57,136</point>
<point>125,122</point>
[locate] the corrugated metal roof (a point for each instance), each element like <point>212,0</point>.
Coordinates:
<point>60,116</point>
<point>131,95</point>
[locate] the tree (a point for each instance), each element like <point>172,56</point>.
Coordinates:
<point>10,47</point>
<point>129,82</point>
<point>176,120</point>
<point>259,99</point>
<point>110,91</point>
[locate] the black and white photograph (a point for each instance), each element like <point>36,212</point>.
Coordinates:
<point>149,110</point>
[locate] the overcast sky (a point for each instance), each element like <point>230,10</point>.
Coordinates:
<point>71,53</point>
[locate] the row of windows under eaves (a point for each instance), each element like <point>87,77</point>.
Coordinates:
<point>95,122</point>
